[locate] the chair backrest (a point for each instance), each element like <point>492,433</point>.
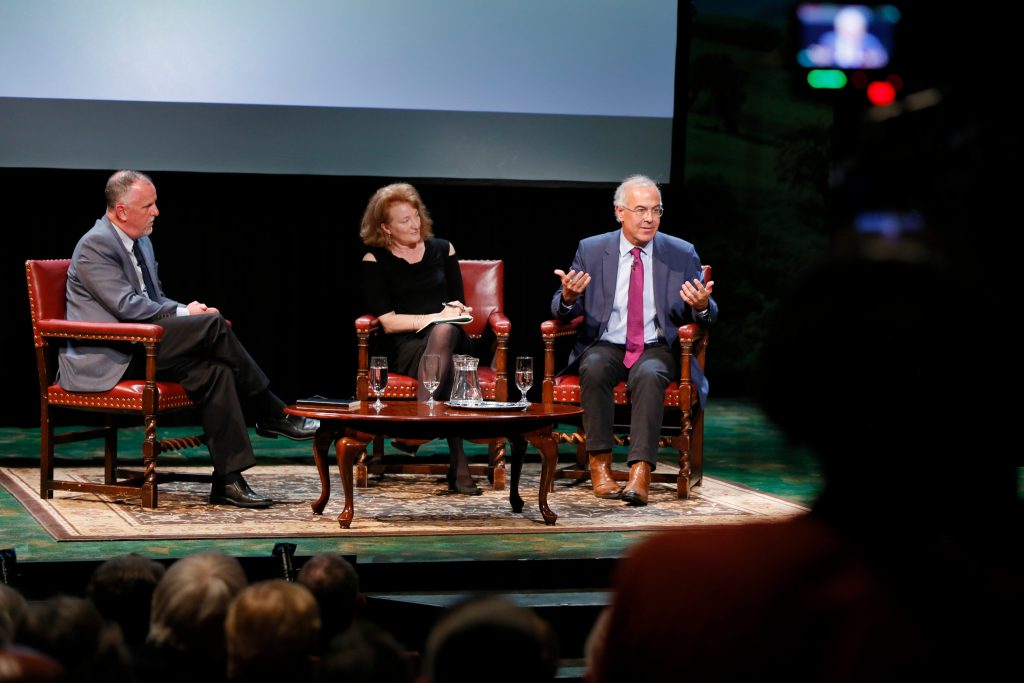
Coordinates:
<point>47,285</point>
<point>484,284</point>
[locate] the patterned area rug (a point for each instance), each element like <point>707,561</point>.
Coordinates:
<point>392,505</point>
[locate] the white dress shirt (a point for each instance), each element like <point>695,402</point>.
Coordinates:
<point>615,333</point>
<point>129,244</point>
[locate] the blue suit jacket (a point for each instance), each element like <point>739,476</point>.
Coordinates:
<point>673,261</point>
<point>103,286</point>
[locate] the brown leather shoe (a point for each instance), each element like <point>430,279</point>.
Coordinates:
<point>639,483</point>
<point>601,476</point>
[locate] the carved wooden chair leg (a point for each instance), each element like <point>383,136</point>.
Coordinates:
<point>110,451</point>
<point>496,474</point>
<point>362,472</point>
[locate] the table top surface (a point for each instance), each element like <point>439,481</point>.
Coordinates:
<point>419,411</point>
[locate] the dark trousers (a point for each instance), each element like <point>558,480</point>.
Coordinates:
<point>202,354</point>
<point>601,368</point>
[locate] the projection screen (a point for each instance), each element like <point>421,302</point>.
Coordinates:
<point>578,90</point>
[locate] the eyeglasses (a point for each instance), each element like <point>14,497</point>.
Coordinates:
<point>642,211</point>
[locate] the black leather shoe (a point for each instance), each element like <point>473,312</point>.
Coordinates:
<point>237,493</point>
<point>289,426</point>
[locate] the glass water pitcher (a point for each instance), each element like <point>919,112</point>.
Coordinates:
<point>466,383</point>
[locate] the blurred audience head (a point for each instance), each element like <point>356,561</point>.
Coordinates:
<point>20,664</point>
<point>334,583</point>
<point>595,643</point>
<point>273,632</point>
<point>122,590</point>
<point>366,653</point>
<point>12,611</point>
<point>461,644</point>
<point>873,360</point>
<point>74,633</point>
<point>191,602</point>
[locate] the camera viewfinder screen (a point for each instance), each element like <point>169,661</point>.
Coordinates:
<point>841,36</point>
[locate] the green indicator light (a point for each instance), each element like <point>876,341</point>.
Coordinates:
<point>827,79</point>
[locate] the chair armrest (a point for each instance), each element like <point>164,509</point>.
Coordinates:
<point>550,332</point>
<point>501,326</point>
<point>558,328</point>
<point>83,329</point>
<point>365,326</point>
<point>691,332</point>
<point>499,323</point>
<point>367,323</point>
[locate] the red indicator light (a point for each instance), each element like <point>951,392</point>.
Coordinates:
<point>881,93</point>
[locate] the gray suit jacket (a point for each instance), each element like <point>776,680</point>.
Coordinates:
<point>103,286</point>
<point>673,261</point>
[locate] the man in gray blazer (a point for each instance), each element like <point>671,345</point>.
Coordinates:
<point>113,278</point>
<point>646,284</point>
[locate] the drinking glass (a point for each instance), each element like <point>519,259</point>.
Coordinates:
<point>431,375</point>
<point>378,378</point>
<point>524,375</point>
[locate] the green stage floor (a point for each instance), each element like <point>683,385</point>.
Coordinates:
<point>741,446</point>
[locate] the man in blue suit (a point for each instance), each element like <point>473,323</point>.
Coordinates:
<point>113,278</point>
<point>646,285</point>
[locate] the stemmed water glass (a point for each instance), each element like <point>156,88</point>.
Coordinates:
<point>524,376</point>
<point>378,378</point>
<point>431,375</point>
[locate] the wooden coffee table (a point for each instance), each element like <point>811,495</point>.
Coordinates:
<point>352,430</point>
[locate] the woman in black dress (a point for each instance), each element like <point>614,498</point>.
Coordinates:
<point>409,278</point>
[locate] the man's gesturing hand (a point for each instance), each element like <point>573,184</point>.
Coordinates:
<point>696,294</point>
<point>573,284</point>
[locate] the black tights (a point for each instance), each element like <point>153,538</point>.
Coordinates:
<point>442,342</point>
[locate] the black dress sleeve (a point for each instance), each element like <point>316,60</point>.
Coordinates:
<point>392,284</point>
<point>376,293</point>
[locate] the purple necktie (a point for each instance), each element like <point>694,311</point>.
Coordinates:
<point>635,311</point>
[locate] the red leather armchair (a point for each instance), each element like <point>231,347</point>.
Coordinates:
<point>683,429</point>
<point>146,398</point>
<point>483,282</point>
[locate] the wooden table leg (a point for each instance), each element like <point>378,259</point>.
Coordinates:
<point>346,449</point>
<point>518,453</point>
<point>545,442</point>
<point>321,442</point>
